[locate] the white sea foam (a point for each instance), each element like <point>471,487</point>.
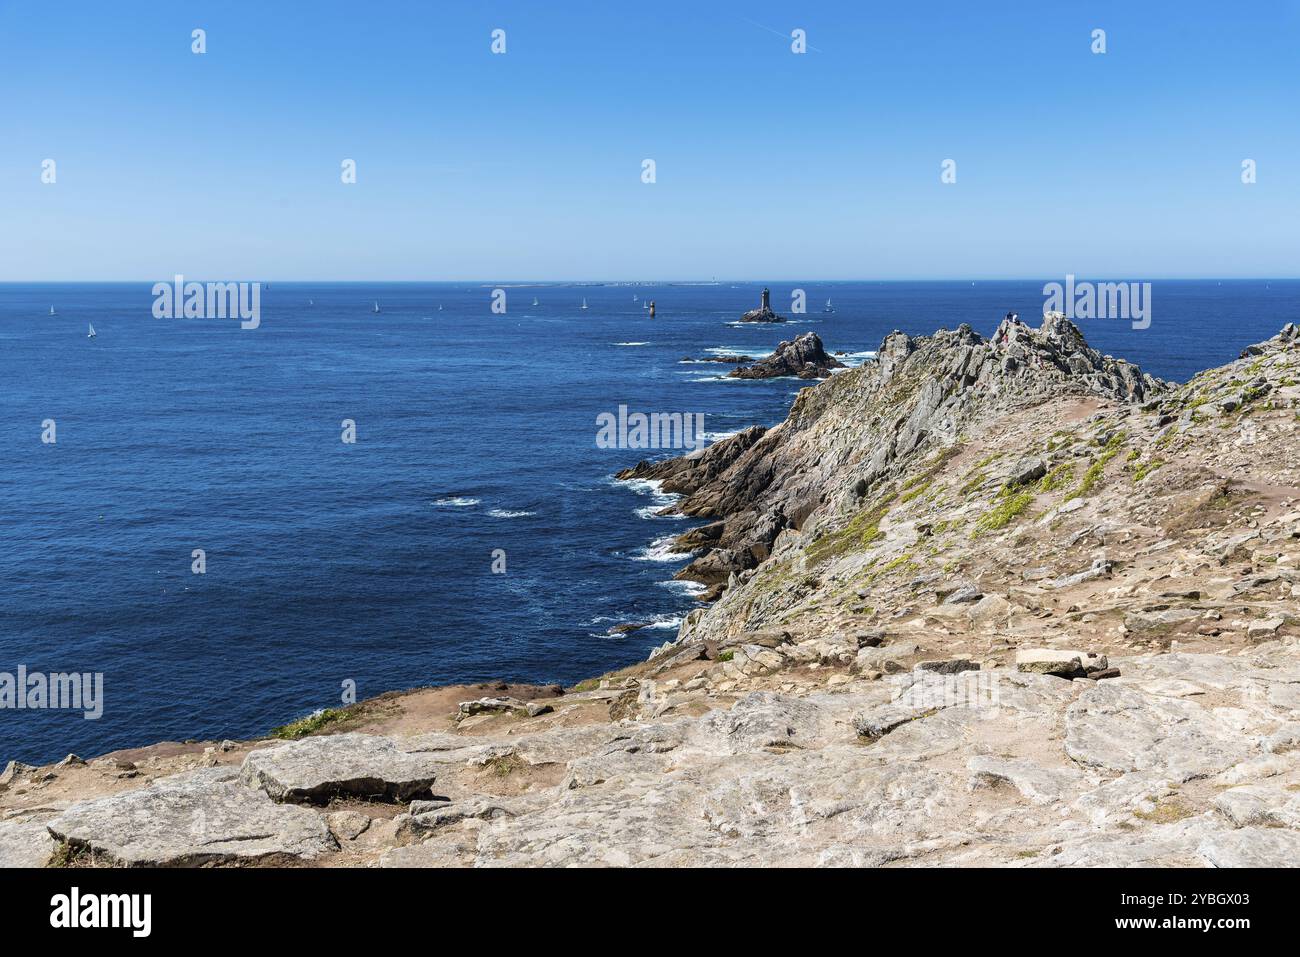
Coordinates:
<point>683,587</point>
<point>631,343</point>
<point>719,436</point>
<point>660,498</point>
<point>855,359</point>
<point>652,511</point>
<point>660,550</point>
<point>456,502</point>
<point>732,351</point>
<point>656,623</point>
<point>665,621</point>
<point>505,513</point>
<point>646,487</point>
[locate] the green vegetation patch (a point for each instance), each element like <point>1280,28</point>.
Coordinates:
<point>1167,438</point>
<point>1143,469</point>
<point>899,562</point>
<point>70,855</point>
<point>861,532</point>
<point>309,725</point>
<point>1096,471</point>
<point>1165,812</point>
<point>504,765</point>
<point>974,481</point>
<point>863,529</point>
<point>1057,478</point>
<point>918,489</point>
<point>1010,504</point>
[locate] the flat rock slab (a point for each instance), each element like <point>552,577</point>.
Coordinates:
<point>527,709</point>
<point>1123,729</point>
<point>314,770</point>
<point>1050,661</point>
<point>759,721</point>
<point>1260,805</point>
<point>24,844</point>
<point>1251,847</point>
<point>1036,784</point>
<point>192,818</point>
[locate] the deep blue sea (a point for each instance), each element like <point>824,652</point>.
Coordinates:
<point>372,562</point>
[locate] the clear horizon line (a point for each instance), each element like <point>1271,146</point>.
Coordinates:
<point>660,281</point>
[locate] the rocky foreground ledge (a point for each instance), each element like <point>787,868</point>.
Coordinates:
<point>1022,606</point>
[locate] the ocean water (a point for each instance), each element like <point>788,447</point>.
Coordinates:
<point>372,562</point>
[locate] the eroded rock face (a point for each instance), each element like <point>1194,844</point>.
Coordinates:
<point>847,440</point>
<point>686,474</point>
<point>192,818</point>
<point>803,357</point>
<point>315,769</point>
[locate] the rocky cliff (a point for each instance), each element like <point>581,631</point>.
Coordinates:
<point>999,602</point>
<point>847,442</point>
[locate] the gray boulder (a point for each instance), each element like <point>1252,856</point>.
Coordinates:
<point>314,770</point>
<point>1066,664</point>
<point>502,705</point>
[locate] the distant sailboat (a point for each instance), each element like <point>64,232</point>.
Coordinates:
<point>584,302</point>
<point>634,297</point>
<point>311,302</point>
<point>91,333</point>
<point>376,309</point>
<point>52,312</point>
<point>645,304</point>
<point>440,307</point>
<point>534,300</point>
<point>829,307</point>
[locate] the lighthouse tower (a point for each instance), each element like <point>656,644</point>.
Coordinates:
<point>767,304</point>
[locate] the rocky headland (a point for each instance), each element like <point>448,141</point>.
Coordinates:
<point>999,601</point>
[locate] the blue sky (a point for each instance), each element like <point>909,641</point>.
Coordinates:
<point>528,165</point>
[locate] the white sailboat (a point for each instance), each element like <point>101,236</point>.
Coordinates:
<point>584,302</point>
<point>829,307</point>
<point>376,309</point>
<point>534,300</point>
<point>634,297</point>
<point>52,312</point>
<point>91,333</point>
